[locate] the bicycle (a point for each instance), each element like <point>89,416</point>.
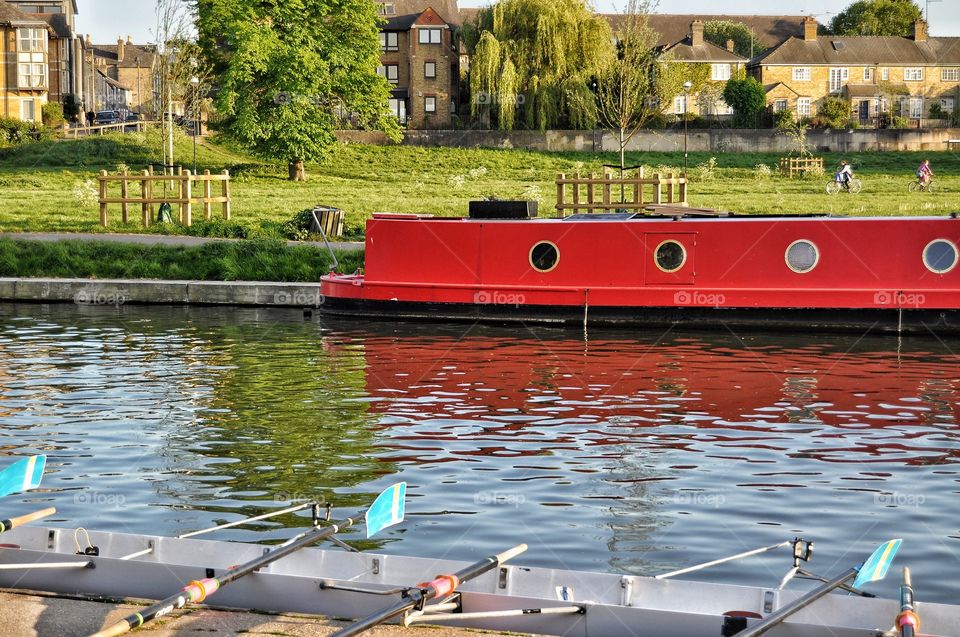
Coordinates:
<point>917,186</point>
<point>853,186</point>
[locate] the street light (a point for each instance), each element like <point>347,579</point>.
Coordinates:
<point>195,83</point>
<point>686,94</point>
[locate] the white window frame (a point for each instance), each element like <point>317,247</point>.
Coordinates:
<point>868,74</point>
<point>32,59</point>
<point>913,74</point>
<point>950,75</point>
<point>679,105</point>
<point>885,74</point>
<point>429,103</point>
<point>838,77</point>
<point>31,41</point>
<point>389,41</point>
<point>28,110</point>
<point>426,69</point>
<point>802,74</point>
<point>398,107</point>
<point>428,35</point>
<point>720,72</point>
<point>946,103</point>
<point>780,105</point>
<point>911,107</point>
<point>804,106</point>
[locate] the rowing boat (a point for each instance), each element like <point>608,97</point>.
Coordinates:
<point>512,597</point>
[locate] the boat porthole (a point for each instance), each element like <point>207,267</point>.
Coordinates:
<point>940,256</point>
<point>544,256</point>
<point>802,256</point>
<point>670,255</point>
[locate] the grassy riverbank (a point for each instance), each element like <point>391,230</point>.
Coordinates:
<point>48,186</point>
<point>220,261</point>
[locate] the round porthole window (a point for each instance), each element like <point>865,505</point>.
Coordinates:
<point>940,256</point>
<point>544,256</point>
<point>802,256</point>
<point>670,256</point>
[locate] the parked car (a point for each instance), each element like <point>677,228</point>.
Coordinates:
<point>131,119</point>
<point>106,117</point>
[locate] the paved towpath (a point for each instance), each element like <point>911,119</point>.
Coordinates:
<point>39,615</point>
<point>155,239</point>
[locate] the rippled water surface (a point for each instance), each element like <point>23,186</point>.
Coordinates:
<point>629,451</point>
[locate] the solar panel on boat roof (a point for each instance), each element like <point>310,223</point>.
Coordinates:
<point>601,216</point>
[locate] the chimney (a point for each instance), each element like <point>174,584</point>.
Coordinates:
<point>809,29</point>
<point>730,45</point>
<point>919,31</point>
<point>129,40</point>
<point>121,46</point>
<point>696,33</point>
<point>88,42</point>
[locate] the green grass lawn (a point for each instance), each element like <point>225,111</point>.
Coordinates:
<point>39,183</point>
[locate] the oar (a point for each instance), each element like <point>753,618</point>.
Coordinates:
<point>441,586</point>
<point>875,568</point>
<point>12,523</point>
<point>386,510</point>
<point>907,621</point>
<point>22,475</point>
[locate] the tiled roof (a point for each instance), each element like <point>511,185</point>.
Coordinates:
<point>706,52</point>
<point>10,14</point>
<point>863,50</point>
<point>447,9</point>
<point>130,54</point>
<point>769,29</point>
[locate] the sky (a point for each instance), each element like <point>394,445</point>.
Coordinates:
<point>105,20</point>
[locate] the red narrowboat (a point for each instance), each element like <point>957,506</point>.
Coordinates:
<point>672,267</point>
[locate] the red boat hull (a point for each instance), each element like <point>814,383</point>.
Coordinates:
<point>850,273</point>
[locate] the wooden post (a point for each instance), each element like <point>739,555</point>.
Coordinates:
<point>186,196</point>
<point>607,178</point>
<point>576,194</point>
<point>123,195</point>
<point>103,198</point>
<point>207,210</point>
<point>683,191</point>
<point>670,184</point>
<point>560,188</point>
<point>150,189</point>
<point>226,195</point>
<point>638,191</point>
<point>144,195</point>
<point>657,192</point>
<point>590,193</point>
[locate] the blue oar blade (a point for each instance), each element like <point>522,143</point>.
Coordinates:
<point>22,475</point>
<point>877,565</point>
<point>387,509</point>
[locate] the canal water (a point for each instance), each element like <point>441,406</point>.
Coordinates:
<point>628,451</point>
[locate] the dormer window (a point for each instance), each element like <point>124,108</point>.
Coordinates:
<point>429,36</point>
<point>388,8</point>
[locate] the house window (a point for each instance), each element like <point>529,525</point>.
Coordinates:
<point>390,71</point>
<point>388,8</point>
<point>388,42</point>
<point>885,75</point>
<point>720,72</point>
<point>911,107</point>
<point>801,74</point>
<point>803,106</point>
<point>946,103</point>
<point>868,74</point>
<point>429,36</point>
<point>838,77</point>
<point>31,58</point>
<point>779,106</point>
<point>399,109</point>
<point>31,41</point>
<point>679,105</point>
<point>430,104</point>
<point>429,69</point>
<point>950,75</point>
<point>914,74</point>
<point>28,110</point>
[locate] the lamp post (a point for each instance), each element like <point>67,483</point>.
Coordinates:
<point>195,84</point>
<point>686,96</point>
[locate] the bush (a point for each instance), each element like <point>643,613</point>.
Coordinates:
<point>783,119</point>
<point>14,131</point>
<point>937,112</point>
<point>748,100</point>
<point>834,112</point>
<point>52,114</point>
<point>899,122</point>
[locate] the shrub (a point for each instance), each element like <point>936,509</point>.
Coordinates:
<point>937,112</point>
<point>52,113</point>
<point>834,112</point>
<point>762,172</point>
<point>748,100</point>
<point>783,119</point>
<point>707,170</point>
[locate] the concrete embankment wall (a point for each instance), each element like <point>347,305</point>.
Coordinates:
<point>123,291</point>
<point>716,140</point>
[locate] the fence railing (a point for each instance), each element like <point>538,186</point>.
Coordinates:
<point>181,188</point>
<point>123,127</point>
<point>799,166</point>
<point>611,193</point>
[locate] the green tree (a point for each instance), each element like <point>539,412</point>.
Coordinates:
<point>533,60</point>
<point>748,100</point>
<point>290,68</point>
<point>834,112</point>
<point>745,41</point>
<point>876,17</point>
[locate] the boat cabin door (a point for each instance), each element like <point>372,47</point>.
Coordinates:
<point>669,258</point>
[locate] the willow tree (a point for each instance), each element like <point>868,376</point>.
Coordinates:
<point>532,61</point>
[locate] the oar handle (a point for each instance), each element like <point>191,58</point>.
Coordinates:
<point>6,525</point>
<point>907,620</point>
<point>509,554</point>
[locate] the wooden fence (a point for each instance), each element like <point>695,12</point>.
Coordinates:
<point>799,166</point>
<point>619,194</point>
<point>178,190</point>
<point>76,132</point>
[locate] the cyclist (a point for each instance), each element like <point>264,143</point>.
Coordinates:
<point>924,173</point>
<point>844,175</point>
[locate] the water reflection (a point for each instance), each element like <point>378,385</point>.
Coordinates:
<point>634,452</point>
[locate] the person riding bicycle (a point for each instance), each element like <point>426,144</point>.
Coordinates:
<point>844,175</point>
<point>924,173</point>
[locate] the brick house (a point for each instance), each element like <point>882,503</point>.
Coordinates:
<point>878,74</point>
<point>419,58</point>
<point>25,80</point>
<point>127,75</point>
<point>64,52</point>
